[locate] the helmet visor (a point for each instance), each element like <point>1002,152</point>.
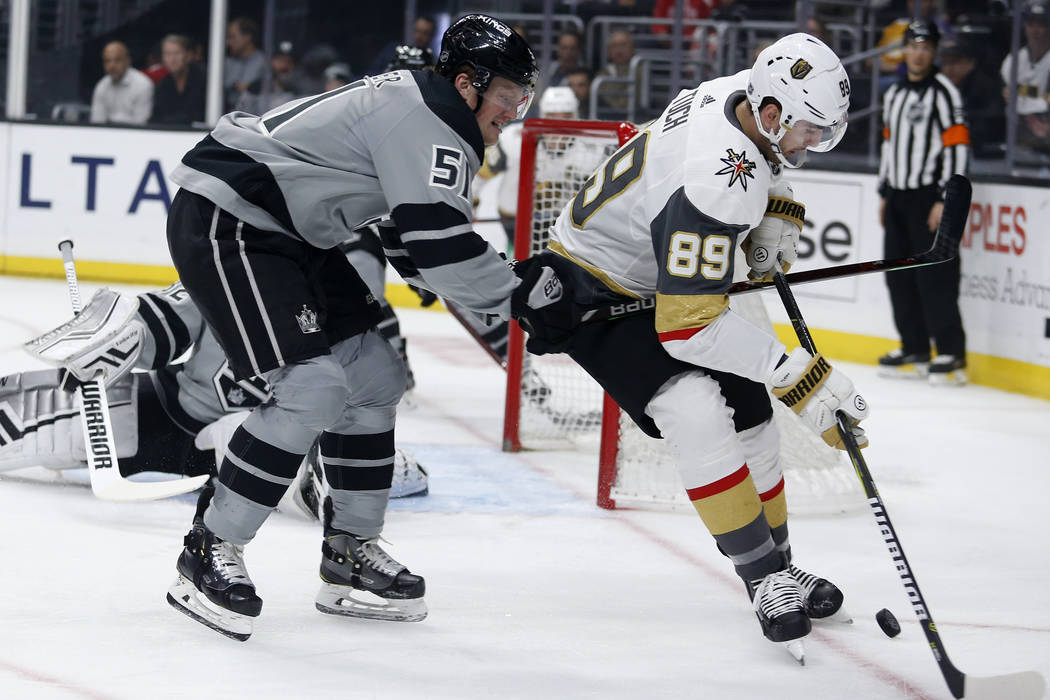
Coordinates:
<point>806,134</point>
<point>509,97</point>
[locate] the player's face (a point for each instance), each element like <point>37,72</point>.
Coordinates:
<point>807,135</point>
<point>503,102</point>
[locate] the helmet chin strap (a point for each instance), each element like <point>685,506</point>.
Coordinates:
<point>774,143</point>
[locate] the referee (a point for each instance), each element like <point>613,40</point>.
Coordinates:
<point>926,141</point>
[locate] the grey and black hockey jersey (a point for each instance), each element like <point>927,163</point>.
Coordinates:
<point>402,145</point>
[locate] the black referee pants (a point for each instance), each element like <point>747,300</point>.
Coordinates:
<point>925,300</point>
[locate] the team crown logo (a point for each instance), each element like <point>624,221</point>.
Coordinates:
<point>307,319</point>
<point>800,69</point>
<point>737,167</point>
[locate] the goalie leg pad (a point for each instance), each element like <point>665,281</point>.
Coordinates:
<point>40,425</point>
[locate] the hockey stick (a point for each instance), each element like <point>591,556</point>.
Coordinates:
<point>1017,686</point>
<point>945,247</point>
<point>103,468</point>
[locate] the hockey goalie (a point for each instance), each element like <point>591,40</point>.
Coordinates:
<point>174,401</point>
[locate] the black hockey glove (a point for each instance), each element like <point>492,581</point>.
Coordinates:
<point>543,307</point>
<point>426,297</point>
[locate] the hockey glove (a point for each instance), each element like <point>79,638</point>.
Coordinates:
<point>776,236</point>
<point>811,388</point>
<point>426,297</point>
<point>104,337</point>
<point>543,308</point>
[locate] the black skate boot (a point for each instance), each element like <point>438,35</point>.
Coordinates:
<point>948,370</point>
<point>820,597</point>
<point>777,599</point>
<point>213,586</point>
<point>897,364</point>
<point>350,563</point>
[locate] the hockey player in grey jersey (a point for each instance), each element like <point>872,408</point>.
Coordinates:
<point>252,232</point>
<point>659,221</point>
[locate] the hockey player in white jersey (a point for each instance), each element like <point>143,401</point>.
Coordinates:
<point>660,220</point>
<point>173,398</point>
<point>264,202</point>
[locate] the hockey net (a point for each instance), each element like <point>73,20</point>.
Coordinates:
<point>552,404</point>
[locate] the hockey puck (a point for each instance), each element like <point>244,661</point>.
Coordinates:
<point>888,623</point>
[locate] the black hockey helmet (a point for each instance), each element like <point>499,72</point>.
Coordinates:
<point>921,30</point>
<point>411,58</point>
<point>491,48</point>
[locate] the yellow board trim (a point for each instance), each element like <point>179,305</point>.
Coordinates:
<point>985,370</point>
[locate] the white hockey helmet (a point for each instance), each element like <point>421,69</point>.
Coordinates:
<point>559,100</point>
<point>808,81</point>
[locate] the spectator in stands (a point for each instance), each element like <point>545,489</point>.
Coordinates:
<point>693,9</point>
<point>124,95</point>
<point>620,50</point>
<point>284,81</point>
<point>981,98</point>
<point>569,55</point>
<point>310,78</point>
<point>579,80</point>
<point>155,69</point>
<point>180,95</point>
<point>245,64</point>
<point>1033,79</point>
<point>423,30</point>
<point>336,76</point>
<point>816,27</point>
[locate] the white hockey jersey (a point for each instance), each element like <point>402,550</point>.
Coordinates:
<point>662,217</point>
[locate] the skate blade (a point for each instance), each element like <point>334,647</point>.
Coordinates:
<point>184,597</point>
<point>346,601</point>
<point>953,378</point>
<point>904,372</point>
<point>797,649</point>
<point>840,616</point>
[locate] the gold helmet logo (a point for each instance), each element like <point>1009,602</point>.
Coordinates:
<point>801,69</point>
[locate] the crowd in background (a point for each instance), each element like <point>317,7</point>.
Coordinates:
<point>169,85</point>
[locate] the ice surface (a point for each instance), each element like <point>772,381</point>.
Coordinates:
<point>533,591</point>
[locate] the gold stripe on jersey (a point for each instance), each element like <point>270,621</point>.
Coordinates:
<point>787,209</point>
<point>675,312</point>
<point>559,249</point>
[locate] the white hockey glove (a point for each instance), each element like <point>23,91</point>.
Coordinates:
<point>812,389</point>
<point>776,236</point>
<point>104,337</point>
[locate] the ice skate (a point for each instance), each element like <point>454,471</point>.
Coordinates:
<point>896,365</point>
<point>821,598</point>
<point>948,370</point>
<point>359,579</point>
<point>213,586</point>
<point>777,600</point>
<point>410,478</point>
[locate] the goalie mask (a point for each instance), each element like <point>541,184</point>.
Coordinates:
<point>491,49</point>
<point>811,87</point>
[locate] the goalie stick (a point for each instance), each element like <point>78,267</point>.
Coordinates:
<point>103,468</point>
<point>1017,686</point>
<point>945,247</point>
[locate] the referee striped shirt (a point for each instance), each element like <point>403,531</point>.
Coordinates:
<point>925,136</point>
